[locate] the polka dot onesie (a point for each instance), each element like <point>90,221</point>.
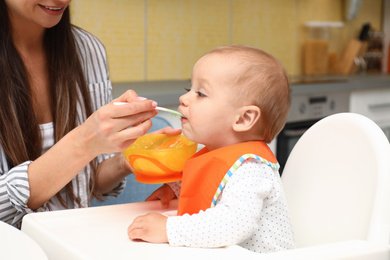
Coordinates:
<point>251,212</point>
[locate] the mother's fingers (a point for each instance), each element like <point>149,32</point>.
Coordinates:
<point>124,109</point>
<point>122,123</point>
<point>127,136</point>
<point>129,96</point>
<point>113,118</point>
<point>105,134</point>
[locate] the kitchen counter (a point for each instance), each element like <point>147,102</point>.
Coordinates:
<point>167,93</point>
<point>314,85</point>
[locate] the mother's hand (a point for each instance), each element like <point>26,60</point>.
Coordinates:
<point>113,128</point>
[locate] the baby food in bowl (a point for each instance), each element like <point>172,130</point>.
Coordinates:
<point>159,158</point>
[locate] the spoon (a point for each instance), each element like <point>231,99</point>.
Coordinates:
<point>173,112</point>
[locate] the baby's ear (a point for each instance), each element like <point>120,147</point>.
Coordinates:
<point>247,117</point>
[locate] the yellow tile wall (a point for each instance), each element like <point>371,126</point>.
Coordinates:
<point>180,31</point>
<point>268,25</point>
<point>162,39</point>
<point>120,26</point>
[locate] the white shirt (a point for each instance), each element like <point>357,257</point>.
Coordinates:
<point>47,133</point>
<point>251,212</point>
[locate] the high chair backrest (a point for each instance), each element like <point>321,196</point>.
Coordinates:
<point>337,182</point>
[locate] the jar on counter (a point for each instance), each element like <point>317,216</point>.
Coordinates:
<point>373,61</point>
<point>374,54</point>
<point>322,48</point>
<point>388,59</point>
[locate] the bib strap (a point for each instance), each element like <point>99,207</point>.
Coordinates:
<point>235,166</point>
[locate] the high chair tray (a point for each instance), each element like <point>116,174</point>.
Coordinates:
<point>101,233</point>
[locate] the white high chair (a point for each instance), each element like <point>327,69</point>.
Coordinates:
<point>337,185</point>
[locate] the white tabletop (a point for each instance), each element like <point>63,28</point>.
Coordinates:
<point>14,244</point>
<point>101,233</point>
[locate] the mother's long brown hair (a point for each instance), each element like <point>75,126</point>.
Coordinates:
<point>19,130</point>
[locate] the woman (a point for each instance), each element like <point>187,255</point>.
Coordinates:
<point>57,129</point>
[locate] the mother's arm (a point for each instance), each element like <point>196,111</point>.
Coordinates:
<point>105,131</point>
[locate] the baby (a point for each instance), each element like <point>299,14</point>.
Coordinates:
<point>231,191</point>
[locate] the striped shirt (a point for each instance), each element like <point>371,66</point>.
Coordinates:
<point>14,184</point>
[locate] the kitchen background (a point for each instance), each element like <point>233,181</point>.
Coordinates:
<point>152,46</point>
<point>149,40</point>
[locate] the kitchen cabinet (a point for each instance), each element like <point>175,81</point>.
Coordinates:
<point>374,104</point>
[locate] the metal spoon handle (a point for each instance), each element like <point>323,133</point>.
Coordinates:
<point>173,112</point>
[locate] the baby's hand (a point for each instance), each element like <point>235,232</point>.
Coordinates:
<point>150,227</point>
<point>168,130</point>
<point>165,194</point>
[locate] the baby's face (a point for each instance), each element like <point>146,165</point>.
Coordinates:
<point>211,105</point>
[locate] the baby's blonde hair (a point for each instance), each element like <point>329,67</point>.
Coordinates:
<point>263,82</point>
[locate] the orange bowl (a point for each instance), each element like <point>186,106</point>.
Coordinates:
<point>159,158</point>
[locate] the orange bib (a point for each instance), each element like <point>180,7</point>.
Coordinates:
<point>206,173</point>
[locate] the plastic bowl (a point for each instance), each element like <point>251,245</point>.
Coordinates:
<point>159,158</point>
